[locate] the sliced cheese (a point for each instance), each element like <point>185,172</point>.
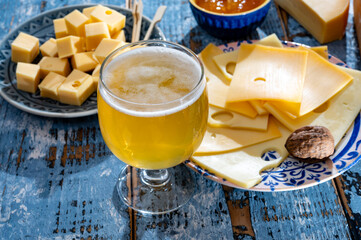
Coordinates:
<point>326,20</point>
<point>258,106</point>
<point>268,73</point>
<point>337,115</point>
<point>226,62</point>
<point>218,117</point>
<point>217,85</point>
<point>321,50</point>
<point>244,167</point>
<point>221,140</point>
<point>322,81</point>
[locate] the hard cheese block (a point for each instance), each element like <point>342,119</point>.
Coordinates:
<point>221,140</point>
<point>219,117</point>
<point>218,86</point>
<point>337,115</point>
<point>322,81</point>
<point>326,20</point>
<point>268,73</point>
<point>244,167</point>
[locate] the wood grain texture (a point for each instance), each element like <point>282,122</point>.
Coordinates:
<point>57,176</point>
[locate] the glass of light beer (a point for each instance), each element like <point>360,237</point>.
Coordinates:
<point>153,110</point>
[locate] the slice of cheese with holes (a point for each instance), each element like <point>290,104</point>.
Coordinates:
<point>217,85</point>
<point>244,167</point>
<point>226,62</point>
<point>322,81</point>
<point>218,117</point>
<point>268,73</point>
<point>336,114</point>
<point>326,20</point>
<point>221,140</point>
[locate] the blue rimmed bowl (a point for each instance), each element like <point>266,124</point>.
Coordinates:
<point>230,26</point>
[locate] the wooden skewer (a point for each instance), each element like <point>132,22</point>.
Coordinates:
<point>127,4</point>
<point>157,18</point>
<point>139,20</point>
<point>135,17</point>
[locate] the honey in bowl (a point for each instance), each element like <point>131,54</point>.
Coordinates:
<point>229,6</point>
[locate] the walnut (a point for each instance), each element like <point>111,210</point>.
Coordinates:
<point>310,144</point>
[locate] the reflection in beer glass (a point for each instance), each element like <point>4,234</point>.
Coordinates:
<point>153,110</point>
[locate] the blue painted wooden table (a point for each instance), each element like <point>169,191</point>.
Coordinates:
<point>57,176</point>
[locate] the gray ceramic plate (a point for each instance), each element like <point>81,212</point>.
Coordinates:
<point>41,26</point>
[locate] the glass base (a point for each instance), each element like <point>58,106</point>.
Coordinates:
<point>155,191</point>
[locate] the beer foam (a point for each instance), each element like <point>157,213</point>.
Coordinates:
<point>152,75</point>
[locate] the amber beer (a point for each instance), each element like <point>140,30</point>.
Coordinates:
<point>152,106</point>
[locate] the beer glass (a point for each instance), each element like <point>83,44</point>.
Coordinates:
<point>153,110</point>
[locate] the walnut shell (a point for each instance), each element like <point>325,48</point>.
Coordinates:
<point>311,142</point>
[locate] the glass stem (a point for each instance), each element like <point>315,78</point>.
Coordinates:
<point>155,178</point>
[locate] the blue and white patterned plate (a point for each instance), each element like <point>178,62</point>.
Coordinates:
<point>41,26</point>
<point>293,174</point>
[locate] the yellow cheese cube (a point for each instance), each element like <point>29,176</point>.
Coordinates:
<point>24,48</point>
<point>68,46</point>
<point>95,75</point>
<point>75,22</point>
<point>120,36</point>
<point>326,20</point>
<point>84,61</point>
<point>105,47</point>
<point>57,65</point>
<point>87,11</point>
<point>49,86</point>
<point>27,76</point>
<point>60,28</point>
<point>94,33</point>
<point>49,48</point>
<point>112,18</point>
<point>77,87</point>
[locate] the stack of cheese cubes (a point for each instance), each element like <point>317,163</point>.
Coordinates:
<point>261,93</point>
<point>70,64</point>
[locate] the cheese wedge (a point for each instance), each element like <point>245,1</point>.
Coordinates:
<point>244,167</point>
<point>49,86</point>
<point>323,80</point>
<point>280,76</point>
<point>217,85</point>
<point>326,20</point>
<point>218,117</point>
<point>337,115</point>
<point>221,140</point>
